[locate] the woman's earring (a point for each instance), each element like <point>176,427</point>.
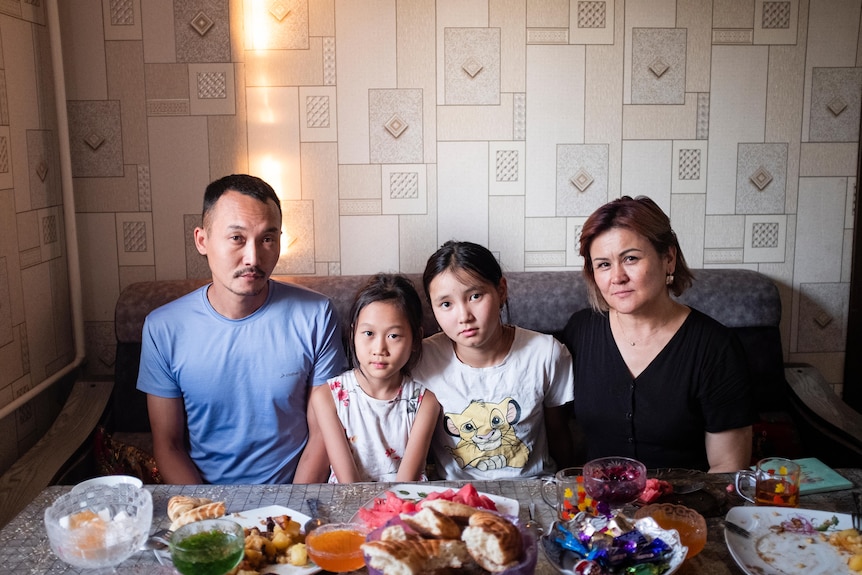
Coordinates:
<point>668,280</point>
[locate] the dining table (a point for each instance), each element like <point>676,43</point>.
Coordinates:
<point>25,550</point>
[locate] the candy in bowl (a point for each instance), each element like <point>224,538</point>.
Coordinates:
<point>99,526</point>
<point>335,546</point>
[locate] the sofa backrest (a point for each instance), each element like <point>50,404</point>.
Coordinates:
<point>746,301</point>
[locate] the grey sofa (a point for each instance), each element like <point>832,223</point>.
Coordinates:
<point>745,301</point>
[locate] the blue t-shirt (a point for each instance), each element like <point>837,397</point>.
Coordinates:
<point>245,382</point>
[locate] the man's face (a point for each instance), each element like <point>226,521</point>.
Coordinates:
<point>241,242</point>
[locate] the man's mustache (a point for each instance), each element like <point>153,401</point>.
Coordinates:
<point>251,270</point>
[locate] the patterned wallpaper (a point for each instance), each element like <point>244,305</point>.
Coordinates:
<point>389,126</point>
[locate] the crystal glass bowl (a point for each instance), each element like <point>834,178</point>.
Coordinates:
<point>616,481</point>
<point>690,524</point>
<point>335,546</point>
<point>100,525</point>
<point>208,547</point>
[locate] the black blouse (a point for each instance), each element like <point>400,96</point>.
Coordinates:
<point>698,383</point>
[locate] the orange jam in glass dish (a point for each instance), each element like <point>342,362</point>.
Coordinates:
<point>335,546</point>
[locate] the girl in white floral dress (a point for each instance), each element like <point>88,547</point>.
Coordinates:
<point>386,417</point>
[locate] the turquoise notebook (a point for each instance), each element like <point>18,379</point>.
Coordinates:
<point>817,477</point>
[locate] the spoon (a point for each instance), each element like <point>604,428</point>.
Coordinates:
<point>532,525</point>
<point>316,520</point>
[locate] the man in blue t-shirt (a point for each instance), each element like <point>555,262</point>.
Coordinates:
<point>228,368</point>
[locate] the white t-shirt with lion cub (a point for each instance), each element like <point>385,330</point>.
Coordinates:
<point>493,423</point>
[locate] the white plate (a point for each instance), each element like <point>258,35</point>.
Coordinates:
<point>257,518</point>
<point>646,525</point>
<point>769,553</point>
<point>416,491</point>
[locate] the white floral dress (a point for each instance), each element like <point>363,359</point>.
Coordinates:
<point>377,429</point>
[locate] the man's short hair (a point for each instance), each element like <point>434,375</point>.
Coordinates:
<point>241,183</point>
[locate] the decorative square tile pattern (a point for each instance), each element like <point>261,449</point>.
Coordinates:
<point>4,154</point>
<point>202,30</point>
<point>689,164</point>
<point>520,116</point>
<point>135,238</point>
<point>212,85</point>
<point>145,192</point>
<point>547,36</point>
<point>823,311</point>
<point>592,14</point>
<point>765,234</point>
<point>168,107</point>
<point>44,169</point>
<point>211,89</point>
<point>582,178</point>
<point>688,174</point>
<point>761,177</point>
<point>658,65</point>
<point>318,114</point>
<point>101,344</point>
<point>702,129</point>
<point>732,36</point>
<point>776,15</point>
<point>404,189</point>
<point>329,74</point>
<point>836,97</point>
<point>472,66</point>
<point>278,24</point>
<point>317,111</point>
<point>52,234</point>
<point>765,238</point>
<point>90,122</point>
<point>506,166</point>
<point>122,12</point>
<point>395,126</point>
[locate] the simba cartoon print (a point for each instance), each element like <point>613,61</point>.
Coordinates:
<point>487,436</point>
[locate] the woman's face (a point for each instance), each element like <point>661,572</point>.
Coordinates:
<point>628,270</point>
<point>467,309</point>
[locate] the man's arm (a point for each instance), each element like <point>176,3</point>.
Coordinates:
<point>730,450</point>
<point>313,466</point>
<point>168,422</point>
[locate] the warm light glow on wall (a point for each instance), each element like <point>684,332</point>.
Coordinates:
<point>287,241</point>
<point>257,31</point>
<point>270,170</point>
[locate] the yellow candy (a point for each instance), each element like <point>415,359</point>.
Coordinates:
<point>782,470</point>
<point>568,493</point>
<point>779,488</point>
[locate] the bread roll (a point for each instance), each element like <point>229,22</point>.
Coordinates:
<point>431,523</point>
<point>179,504</point>
<point>494,542</point>
<point>459,512</point>
<point>414,556</point>
<point>206,511</point>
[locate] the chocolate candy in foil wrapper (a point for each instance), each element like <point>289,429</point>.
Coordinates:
<point>568,540</point>
<point>647,569</point>
<point>586,567</point>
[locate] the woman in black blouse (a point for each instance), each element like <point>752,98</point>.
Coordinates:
<point>654,379</point>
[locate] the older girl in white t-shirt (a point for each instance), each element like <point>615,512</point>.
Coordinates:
<point>503,389</point>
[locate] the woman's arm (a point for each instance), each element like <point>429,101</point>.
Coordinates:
<point>416,453</point>
<point>560,444</point>
<point>337,449</point>
<point>730,450</point>
<point>168,423</point>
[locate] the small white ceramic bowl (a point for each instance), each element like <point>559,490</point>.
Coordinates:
<point>111,480</point>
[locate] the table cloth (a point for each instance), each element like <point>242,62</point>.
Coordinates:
<point>24,548</point>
